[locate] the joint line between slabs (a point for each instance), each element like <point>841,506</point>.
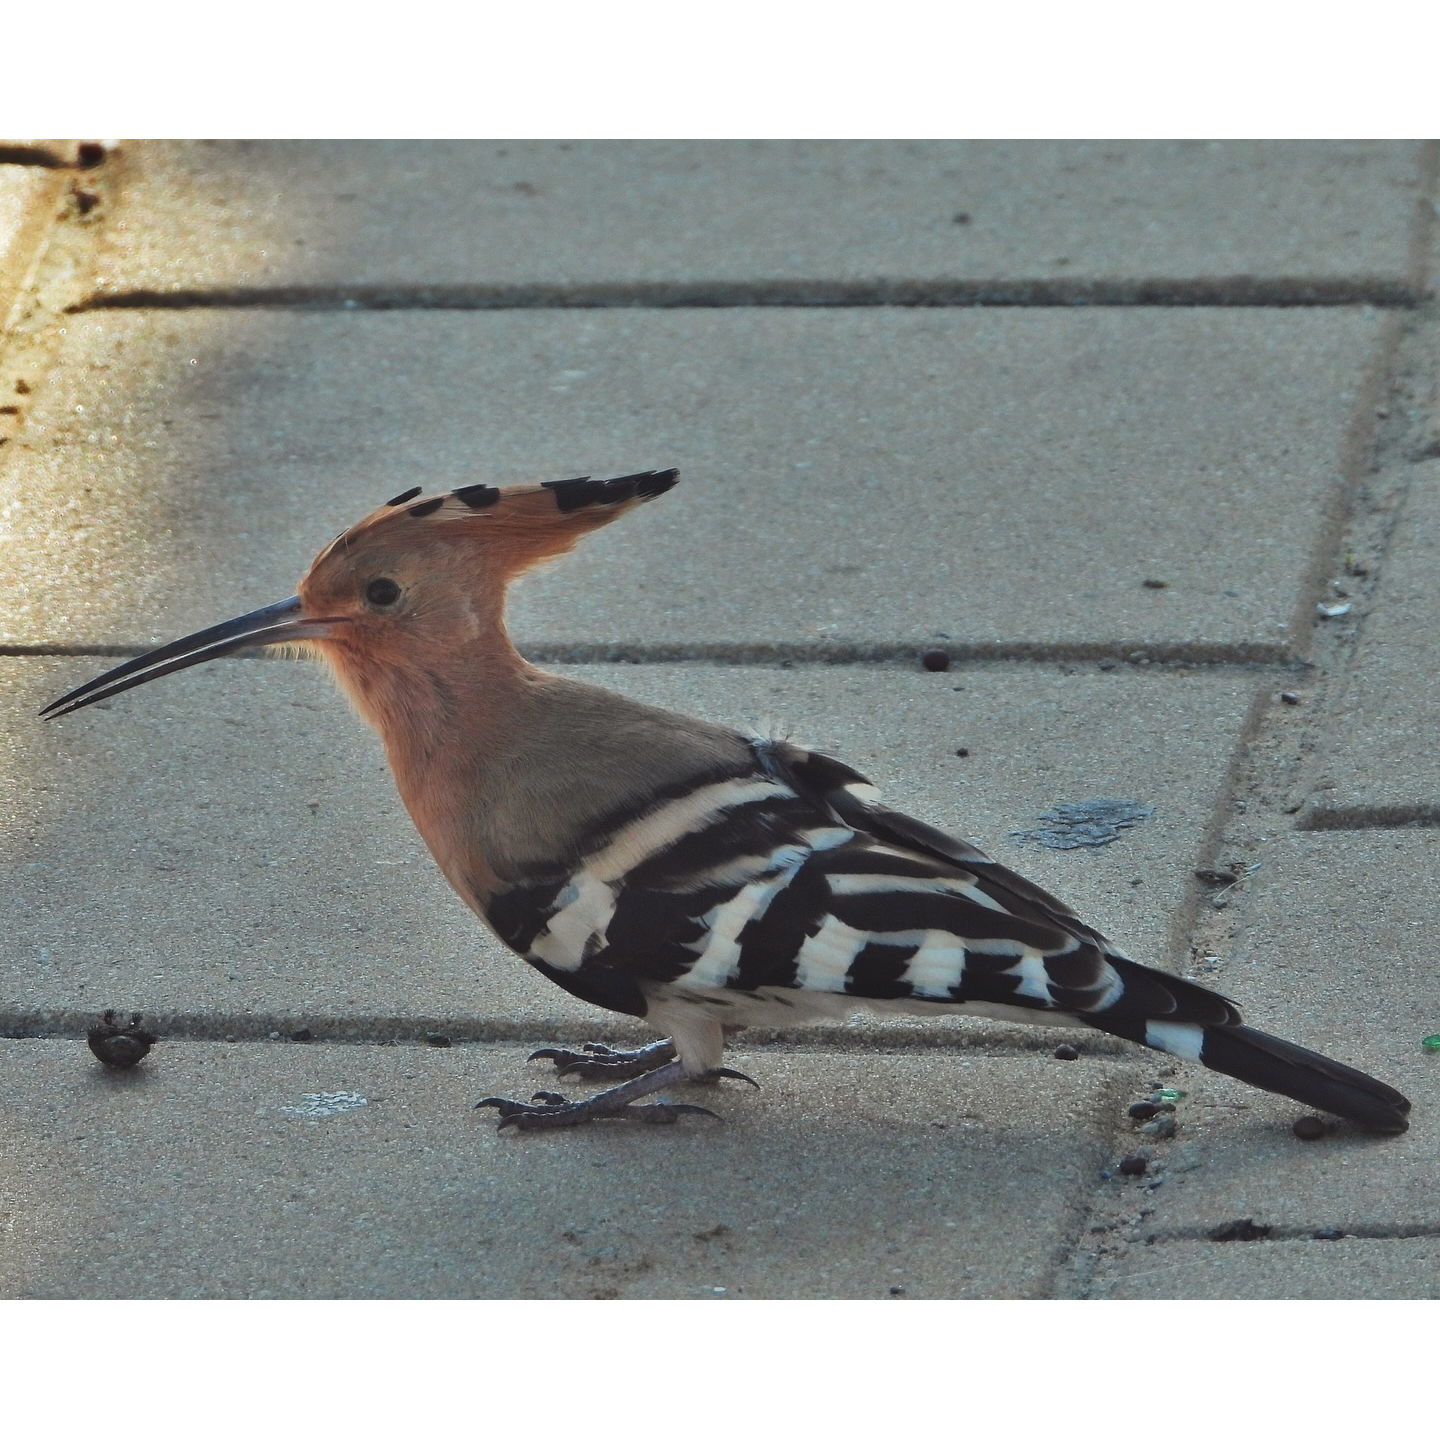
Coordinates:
<point>37,157</point>
<point>1250,658</point>
<point>1289,1234</point>
<point>72,1026</point>
<point>1371,817</point>
<point>1285,292</point>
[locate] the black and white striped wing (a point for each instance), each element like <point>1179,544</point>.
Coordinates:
<point>788,880</point>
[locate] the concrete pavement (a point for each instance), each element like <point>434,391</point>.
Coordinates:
<point>1119,515</point>
<point>1084,453</point>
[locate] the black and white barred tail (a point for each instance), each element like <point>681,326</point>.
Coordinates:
<point>1234,1049</point>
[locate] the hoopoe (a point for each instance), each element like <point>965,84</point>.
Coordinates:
<point>667,868</point>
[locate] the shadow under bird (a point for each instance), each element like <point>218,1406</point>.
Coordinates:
<point>682,872</point>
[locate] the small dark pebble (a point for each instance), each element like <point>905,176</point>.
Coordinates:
<point>1155,584</point>
<point>1238,1230</point>
<point>1148,1109</point>
<point>85,200</point>
<point>1162,1127</point>
<point>21,388</point>
<point>962,751</point>
<point>1133,1165</point>
<point>118,1046</point>
<point>897,1289</point>
<point>1216,877</point>
<point>1289,697</point>
<point>440,1042</point>
<point>90,153</point>
<point>1066,1052</point>
<point>302,1035</point>
<point>1308,1127</point>
<point>1105,665</point>
<point>960,217</point>
<point>935,658</point>
<point>1332,1232</point>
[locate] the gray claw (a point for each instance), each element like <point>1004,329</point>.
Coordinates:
<point>560,1057</point>
<point>504,1106</point>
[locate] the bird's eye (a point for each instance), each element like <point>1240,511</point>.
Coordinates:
<point>382,592</point>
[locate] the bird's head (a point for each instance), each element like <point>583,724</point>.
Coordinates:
<point>416,579</point>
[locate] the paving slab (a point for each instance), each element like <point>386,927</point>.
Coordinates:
<point>192,1176</point>
<point>1336,954</point>
<point>226,844</point>
<point>1348,1269</point>
<point>854,479</point>
<point>27,202</point>
<point>267,214</point>
<point>1380,762</point>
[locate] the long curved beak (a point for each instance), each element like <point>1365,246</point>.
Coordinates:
<point>272,625</point>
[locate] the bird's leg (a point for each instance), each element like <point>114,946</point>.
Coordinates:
<point>600,1062</point>
<point>554,1111</point>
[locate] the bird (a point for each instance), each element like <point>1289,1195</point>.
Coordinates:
<point>694,876</point>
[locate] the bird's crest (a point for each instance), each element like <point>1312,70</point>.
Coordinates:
<point>520,526</point>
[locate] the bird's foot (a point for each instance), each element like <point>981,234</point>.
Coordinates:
<point>555,1112</point>
<point>600,1062</point>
